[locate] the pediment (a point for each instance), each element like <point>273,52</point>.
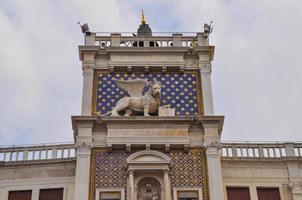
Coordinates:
<point>148,157</point>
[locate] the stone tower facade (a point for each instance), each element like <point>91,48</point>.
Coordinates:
<point>147,145</point>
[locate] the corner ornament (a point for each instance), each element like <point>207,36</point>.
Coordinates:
<point>137,102</point>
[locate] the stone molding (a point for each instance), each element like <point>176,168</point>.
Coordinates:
<point>178,189</point>
<point>163,158</point>
<point>99,190</point>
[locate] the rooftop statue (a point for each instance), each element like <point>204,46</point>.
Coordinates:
<point>137,102</point>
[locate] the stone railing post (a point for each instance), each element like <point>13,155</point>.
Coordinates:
<point>289,149</point>
<point>115,39</point>
<point>202,40</point>
<point>90,39</point>
<point>25,154</point>
<point>177,41</point>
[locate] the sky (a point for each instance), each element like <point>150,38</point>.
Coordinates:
<point>256,77</point>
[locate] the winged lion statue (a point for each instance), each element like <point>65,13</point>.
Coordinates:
<point>137,102</point>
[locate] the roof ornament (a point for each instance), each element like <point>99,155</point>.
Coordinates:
<point>143,18</point>
<point>208,29</point>
<point>85,29</point>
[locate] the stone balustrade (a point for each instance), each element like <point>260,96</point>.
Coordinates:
<point>10,154</point>
<point>229,150</point>
<point>253,150</point>
<point>174,40</point>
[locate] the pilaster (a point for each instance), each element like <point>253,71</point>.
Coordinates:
<point>206,83</point>
<point>3,193</point>
<point>88,70</point>
<point>212,145</point>
<point>295,179</point>
<point>83,153</point>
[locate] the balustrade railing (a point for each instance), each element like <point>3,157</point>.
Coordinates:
<point>37,152</point>
<point>174,40</point>
<point>228,150</point>
<point>261,150</point>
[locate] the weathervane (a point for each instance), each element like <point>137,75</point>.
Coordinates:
<point>85,29</point>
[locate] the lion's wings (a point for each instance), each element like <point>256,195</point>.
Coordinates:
<point>133,87</point>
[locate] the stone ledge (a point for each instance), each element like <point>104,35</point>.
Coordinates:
<point>37,162</point>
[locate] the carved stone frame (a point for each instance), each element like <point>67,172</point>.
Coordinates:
<point>99,190</point>
<point>180,189</point>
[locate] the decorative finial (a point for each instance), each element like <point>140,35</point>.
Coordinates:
<point>143,19</point>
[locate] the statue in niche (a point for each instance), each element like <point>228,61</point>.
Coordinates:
<point>136,102</point>
<point>148,192</point>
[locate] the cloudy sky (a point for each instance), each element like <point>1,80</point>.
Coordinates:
<point>257,75</point>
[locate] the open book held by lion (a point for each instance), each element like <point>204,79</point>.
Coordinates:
<point>136,102</point>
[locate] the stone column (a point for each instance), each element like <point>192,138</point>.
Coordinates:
<point>212,145</point>
<point>206,85</point>
<point>83,153</point>
<point>87,92</point>
<point>131,185</point>
<point>167,185</point>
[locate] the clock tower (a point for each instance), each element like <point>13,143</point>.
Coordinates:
<point>147,128</point>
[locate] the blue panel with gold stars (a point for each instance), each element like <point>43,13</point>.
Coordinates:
<point>179,90</point>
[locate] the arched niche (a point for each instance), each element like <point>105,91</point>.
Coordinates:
<point>148,188</point>
<point>149,168</point>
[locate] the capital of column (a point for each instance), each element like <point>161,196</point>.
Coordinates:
<point>205,68</point>
<point>88,69</point>
<point>213,149</point>
<point>295,187</point>
<point>83,149</point>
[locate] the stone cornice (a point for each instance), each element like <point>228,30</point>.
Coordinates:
<point>96,50</point>
<point>202,120</point>
<point>218,120</point>
<point>38,162</point>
